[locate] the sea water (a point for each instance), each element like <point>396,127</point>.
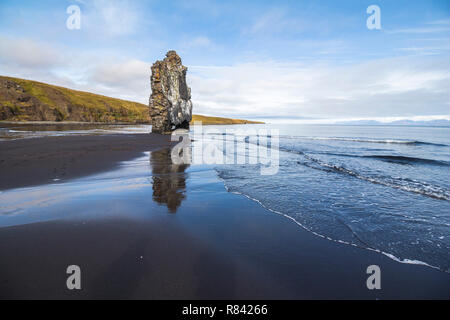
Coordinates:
<point>383,188</point>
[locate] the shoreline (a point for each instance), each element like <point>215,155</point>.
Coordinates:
<point>387,254</point>
<point>81,123</point>
<point>216,245</point>
<point>293,220</point>
<point>36,161</point>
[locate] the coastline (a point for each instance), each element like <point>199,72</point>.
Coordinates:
<point>81,123</point>
<point>218,245</point>
<point>29,162</point>
<point>206,120</point>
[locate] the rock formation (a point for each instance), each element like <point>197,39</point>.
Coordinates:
<point>170,101</point>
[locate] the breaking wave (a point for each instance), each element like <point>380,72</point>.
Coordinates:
<point>368,140</point>
<point>326,189</point>
<point>408,160</point>
<point>364,246</point>
<point>405,184</point>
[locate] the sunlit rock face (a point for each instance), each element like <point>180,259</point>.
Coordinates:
<point>170,100</point>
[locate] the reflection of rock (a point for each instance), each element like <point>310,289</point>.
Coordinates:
<point>170,101</point>
<point>169,180</point>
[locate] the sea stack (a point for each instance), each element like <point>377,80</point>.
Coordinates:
<point>170,100</point>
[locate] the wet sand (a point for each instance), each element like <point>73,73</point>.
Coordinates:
<point>187,239</point>
<point>229,249</point>
<point>28,162</point>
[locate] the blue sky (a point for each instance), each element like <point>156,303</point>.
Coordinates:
<point>253,59</point>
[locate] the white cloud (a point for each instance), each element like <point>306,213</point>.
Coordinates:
<point>420,30</point>
<point>443,21</point>
<point>396,87</point>
<point>116,74</point>
<point>381,88</point>
<point>196,43</point>
<point>88,71</point>
<point>112,17</point>
<point>274,21</point>
<point>128,79</point>
<point>27,53</point>
<point>201,42</point>
<point>426,50</point>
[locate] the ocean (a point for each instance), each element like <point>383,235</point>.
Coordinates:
<point>381,188</point>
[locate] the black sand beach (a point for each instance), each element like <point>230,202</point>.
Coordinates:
<point>213,245</point>
<point>27,162</point>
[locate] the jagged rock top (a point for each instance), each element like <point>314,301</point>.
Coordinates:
<point>170,100</point>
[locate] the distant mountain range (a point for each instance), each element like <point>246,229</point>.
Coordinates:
<point>429,123</point>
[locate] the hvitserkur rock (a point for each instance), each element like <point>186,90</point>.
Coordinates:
<point>170,100</point>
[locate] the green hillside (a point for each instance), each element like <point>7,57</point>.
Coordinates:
<point>217,120</point>
<point>27,100</point>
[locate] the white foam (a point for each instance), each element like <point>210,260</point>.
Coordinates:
<point>408,261</point>
<point>389,255</point>
<point>391,141</point>
<point>393,182</point>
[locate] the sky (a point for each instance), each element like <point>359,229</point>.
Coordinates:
<point>277,61</point>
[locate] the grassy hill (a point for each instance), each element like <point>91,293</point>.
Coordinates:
<point>26,100</point>
<point>217,120</point>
